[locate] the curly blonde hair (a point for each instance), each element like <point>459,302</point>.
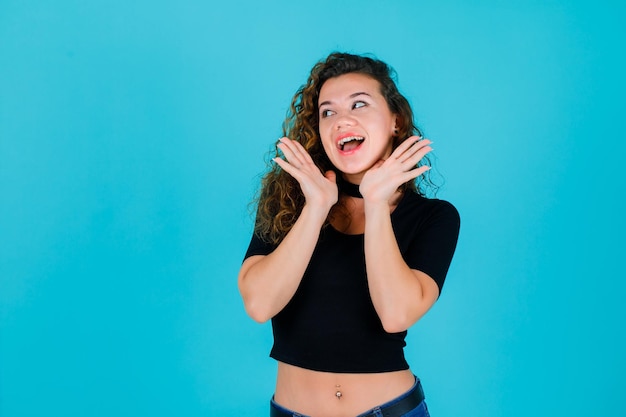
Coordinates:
<point>280,200</point>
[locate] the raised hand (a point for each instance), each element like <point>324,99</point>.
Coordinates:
<point>320,190</point>
<point>382,180</point>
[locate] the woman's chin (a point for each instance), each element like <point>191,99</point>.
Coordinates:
<point>354,174</point>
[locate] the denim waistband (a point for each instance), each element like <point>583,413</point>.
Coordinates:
<point>393,408</point>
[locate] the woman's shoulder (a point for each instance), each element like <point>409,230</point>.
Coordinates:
<point>412,202</point>
<point>415,210</point>
<point>429,219</point>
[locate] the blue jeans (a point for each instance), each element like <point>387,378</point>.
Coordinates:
<point>420,411</point>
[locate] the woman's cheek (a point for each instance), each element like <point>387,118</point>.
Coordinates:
<point>327,146</point>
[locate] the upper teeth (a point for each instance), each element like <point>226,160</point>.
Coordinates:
<point>350,139</point>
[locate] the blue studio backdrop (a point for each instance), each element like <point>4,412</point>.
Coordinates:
<point>132,137</point>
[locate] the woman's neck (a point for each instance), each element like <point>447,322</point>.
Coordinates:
<point>348,188</point>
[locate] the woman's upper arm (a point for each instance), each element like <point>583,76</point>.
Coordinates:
<point>249,263</point>
<point>432,250</point>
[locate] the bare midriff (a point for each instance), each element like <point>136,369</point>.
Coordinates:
<point>327,394</point>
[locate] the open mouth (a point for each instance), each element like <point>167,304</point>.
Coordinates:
<point>350,143</point>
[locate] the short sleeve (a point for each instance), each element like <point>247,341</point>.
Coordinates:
<point>258,246</point>
<point>432,247</point>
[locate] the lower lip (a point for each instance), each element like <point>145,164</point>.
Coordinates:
<point>352,151</point>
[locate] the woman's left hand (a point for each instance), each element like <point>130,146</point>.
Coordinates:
<point>382,180</point>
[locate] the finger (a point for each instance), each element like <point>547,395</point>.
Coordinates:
<point>299,175</point>
<point>414,173</point>
<point>404,146</point>
<point>297,153</point>
<point>282,163</point>
<point>331,176</point>
<point>418,146</point>
<point>408,150</point>
<point>287,167</point>
<point>413,155</point>
<point>303,154</point>
<point>291,153</point>
<point>417,156</point>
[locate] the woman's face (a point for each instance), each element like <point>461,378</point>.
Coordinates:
<point>355,123</point>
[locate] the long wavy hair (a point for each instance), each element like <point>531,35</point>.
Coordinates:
<point>280,199</point>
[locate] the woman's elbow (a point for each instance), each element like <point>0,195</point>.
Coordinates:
<point>395,324</point>
<point>253,304</point>
<point>399,321</point>
<point>258,313</point>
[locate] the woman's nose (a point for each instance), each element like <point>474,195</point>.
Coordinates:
<point>343,121</point>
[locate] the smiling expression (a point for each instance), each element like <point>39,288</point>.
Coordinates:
<point>356,125</point>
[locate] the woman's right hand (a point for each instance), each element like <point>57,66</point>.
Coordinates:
<point>267,283</point>
<point>320,190</point>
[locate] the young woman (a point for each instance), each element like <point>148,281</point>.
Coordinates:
<point>347,252</point>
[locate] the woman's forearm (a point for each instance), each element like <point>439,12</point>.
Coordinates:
<point>267,283</point>
<point>400,294</point>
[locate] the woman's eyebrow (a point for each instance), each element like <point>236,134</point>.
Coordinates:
<point>323,103</point>
<point>359,93</point>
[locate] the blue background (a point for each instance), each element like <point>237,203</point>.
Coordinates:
<point>132,136</point>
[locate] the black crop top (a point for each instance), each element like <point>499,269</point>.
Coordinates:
<point>330,323</point>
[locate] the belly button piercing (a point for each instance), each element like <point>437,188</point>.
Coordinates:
<point>338,394</point>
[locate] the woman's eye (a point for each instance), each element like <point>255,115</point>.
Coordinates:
<point>359,104</point>
<point>326,113</point>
